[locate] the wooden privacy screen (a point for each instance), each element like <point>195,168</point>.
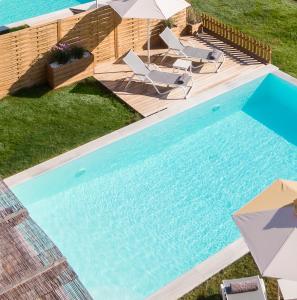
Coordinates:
<point>25,53</point>
<point>247,44</point>
<point>24,56</point>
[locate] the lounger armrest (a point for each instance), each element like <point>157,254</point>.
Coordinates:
<point>180,40</point>
<point>181,53</point>
<point>136,74</point>
<point>187,43</point>
<point>174,49</point>
<point>223,292</point>
<point>262,283</point>
<point>140,77</point>
<point>152,67</point>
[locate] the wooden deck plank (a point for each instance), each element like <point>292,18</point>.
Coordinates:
<point>143,98</point>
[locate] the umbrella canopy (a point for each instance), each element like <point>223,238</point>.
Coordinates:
<point>269,226</point>
<point>148,9</point>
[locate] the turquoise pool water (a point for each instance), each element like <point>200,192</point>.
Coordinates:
<point>16,10</point>
<point>138,213</point>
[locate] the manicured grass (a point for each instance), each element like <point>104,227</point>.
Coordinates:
<point>244,267</point>
<point>273,22</point>
<point>37,123</point>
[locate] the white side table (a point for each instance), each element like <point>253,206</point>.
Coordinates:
<point>182,64</point>
<point>288,289</point>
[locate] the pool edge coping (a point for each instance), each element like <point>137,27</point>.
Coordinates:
<point>201,272</point>
<point>135,127</point>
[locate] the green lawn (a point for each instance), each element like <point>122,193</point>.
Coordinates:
<point>271,21</point>
<point>37,124</point>
<point>244,267</point>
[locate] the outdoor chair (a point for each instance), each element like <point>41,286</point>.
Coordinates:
<point>153,75</point>
<point>176,47</point>
<point>249,288</point>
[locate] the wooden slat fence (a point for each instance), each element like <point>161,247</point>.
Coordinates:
<point>240,40</point>
<point>93,30</point>
<point>22,51</point>
<point>25,53</point>
<point>132,33</point>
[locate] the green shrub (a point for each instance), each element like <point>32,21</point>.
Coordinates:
<point>61,53</point>
<point>169,23</point>
<point>13,29</point>
<point>77,52</point>
<point>193,16</point>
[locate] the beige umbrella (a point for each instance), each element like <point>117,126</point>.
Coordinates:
<point>269,226</point>
<point>149,10</point>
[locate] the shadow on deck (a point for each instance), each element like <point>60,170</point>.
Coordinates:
<point>143,98</point>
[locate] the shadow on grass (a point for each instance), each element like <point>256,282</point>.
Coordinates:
<point>32,92</point>
<point>90,86</point>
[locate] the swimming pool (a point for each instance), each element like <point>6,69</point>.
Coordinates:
<point>18,10</point>
<point>136,214</point>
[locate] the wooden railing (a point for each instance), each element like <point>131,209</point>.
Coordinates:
<point>240,40</point>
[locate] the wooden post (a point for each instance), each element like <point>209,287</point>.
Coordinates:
<point>116,35</point>
<point>59,30</point>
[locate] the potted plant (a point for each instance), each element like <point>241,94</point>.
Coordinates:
<point>170,23</point>
<point>69,64</point>
<point>194,23</point>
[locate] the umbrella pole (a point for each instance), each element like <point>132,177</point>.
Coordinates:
<point>148,41</point>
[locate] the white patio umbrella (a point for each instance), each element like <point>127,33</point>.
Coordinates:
<point>148,9</point>
<point>269,226</point>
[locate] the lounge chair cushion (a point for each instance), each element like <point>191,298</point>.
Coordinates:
<point>182,78</point>
<point>243,287</point>
<point>254,295</point>
<point>215,54</point>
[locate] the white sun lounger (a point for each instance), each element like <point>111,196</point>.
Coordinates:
<point>176,47</point>
<point>259,294</point>
<point>153,75</point>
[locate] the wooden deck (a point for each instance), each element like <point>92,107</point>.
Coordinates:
<point>143,98</point>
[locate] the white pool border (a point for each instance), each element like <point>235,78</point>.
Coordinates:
<point>133,128</point>
<point>201,272</point>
